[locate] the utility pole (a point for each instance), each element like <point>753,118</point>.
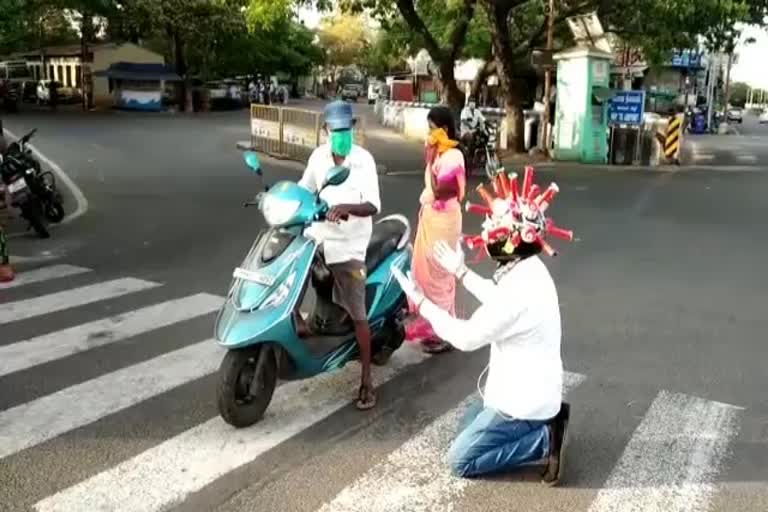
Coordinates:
<point>548,78</point>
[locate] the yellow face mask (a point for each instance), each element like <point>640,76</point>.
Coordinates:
<point>439,138</point>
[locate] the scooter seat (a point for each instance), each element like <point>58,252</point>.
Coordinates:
<point>386,235</point>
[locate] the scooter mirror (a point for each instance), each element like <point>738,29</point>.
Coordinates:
<point>252,161</point>
<point>336,176</point>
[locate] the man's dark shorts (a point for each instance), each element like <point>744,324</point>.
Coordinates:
<point>349,288</point>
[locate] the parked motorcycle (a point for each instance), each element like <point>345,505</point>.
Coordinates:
<point>30,189</point>
<point>256,324</point>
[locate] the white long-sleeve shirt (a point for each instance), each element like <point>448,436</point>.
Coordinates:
<point>520,319</point>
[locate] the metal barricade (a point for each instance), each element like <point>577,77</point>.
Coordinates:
<point>300,129</point>
<point>266,129</point>
<point>291,133</point>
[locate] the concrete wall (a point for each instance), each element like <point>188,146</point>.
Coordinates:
<point>410,119</point>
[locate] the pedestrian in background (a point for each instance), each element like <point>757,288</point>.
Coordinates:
<point>6,271</point>
<point>440,220</point>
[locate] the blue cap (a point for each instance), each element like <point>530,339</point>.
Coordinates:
<point>338,116</point>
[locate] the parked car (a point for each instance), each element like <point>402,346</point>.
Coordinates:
<point>65,94</point>
<point>349,92</point>
<point>735,115</point>
<point>764,117</point>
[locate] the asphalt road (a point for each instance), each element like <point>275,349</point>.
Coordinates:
<point>746,149</point>
<point>663,304</point>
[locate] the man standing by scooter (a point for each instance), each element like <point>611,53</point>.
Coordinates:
<point>346,233</point>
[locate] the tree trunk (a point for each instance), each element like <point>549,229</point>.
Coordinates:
<point>515,122</point>
<point>450,90</point>
<point>727,81</point>
<point>511,86</point>
<point>482,77</point>
<point>183,92</point>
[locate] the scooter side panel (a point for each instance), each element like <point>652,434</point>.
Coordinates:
<point>389,291</point>
<point>237,329</point>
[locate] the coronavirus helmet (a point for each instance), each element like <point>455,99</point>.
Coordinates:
<point>515,223</point>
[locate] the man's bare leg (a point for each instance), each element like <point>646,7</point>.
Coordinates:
<point>366,397</point>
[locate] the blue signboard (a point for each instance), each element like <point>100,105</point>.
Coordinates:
<point>686,59</point>
<point>626,107</point>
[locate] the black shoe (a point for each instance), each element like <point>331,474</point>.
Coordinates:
<point>558,429</point>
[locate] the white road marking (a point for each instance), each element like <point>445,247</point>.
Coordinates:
<point>705,157</point>
<point>44,274</point>
<point>80,200</point>
<point>748,158</point>
<point>38,421</point>
<point>672,459</point>
<point>24,309</point>
<point>80,338</point>
<point>166,474</point>
<point>416,476</point>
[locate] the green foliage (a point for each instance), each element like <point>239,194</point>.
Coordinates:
<point>220,38</point>
<point>22,24</point>
<point>344,38</point>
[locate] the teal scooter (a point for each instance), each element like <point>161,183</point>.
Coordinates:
<point>257,325</point>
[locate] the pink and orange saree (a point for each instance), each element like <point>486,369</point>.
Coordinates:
<point>439,219</point>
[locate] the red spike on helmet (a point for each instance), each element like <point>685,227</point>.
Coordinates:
<point>515,216</point>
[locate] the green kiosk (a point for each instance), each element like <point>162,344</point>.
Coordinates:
<point>581,117</point>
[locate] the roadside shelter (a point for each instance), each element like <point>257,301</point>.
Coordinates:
<point>138,86</point>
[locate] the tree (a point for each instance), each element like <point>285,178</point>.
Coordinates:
<point>439,26</point>
<point>387,51</point>
<point>344,39</point>
<point>33,24</point>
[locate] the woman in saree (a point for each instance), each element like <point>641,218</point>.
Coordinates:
<point>440,219</point>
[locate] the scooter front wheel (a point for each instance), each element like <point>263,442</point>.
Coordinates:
<point>247,380</point>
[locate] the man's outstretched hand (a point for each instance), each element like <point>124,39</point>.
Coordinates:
<point>410,288</point>
<point>452,260</point>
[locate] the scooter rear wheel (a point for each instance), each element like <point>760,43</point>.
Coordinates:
<point>247,380</point>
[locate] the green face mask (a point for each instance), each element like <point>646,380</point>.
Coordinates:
<point>341,142</point>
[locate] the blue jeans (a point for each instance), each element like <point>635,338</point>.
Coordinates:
<point>491,443</point>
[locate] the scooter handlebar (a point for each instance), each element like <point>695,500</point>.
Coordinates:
<point>28,136</point>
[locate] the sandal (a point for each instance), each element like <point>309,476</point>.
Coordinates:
<point>366,398</point>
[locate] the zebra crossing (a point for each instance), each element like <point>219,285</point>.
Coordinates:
<point>671,462</point>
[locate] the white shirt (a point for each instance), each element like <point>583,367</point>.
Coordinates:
<point>471,119</point>
<point>520,319</point>
<point>347,240</point>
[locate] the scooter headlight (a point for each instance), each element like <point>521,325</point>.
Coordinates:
<point>280,294</point>
<point>277,211</point>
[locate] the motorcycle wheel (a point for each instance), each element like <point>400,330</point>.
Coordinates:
<point>491,165</point>
<point>34,217</point>
<point>54,210</point>
<point>237,373</point>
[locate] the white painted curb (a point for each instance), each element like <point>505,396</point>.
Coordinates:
<point>80,200</point>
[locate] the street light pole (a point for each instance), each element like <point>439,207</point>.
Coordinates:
<point>548,79</point>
